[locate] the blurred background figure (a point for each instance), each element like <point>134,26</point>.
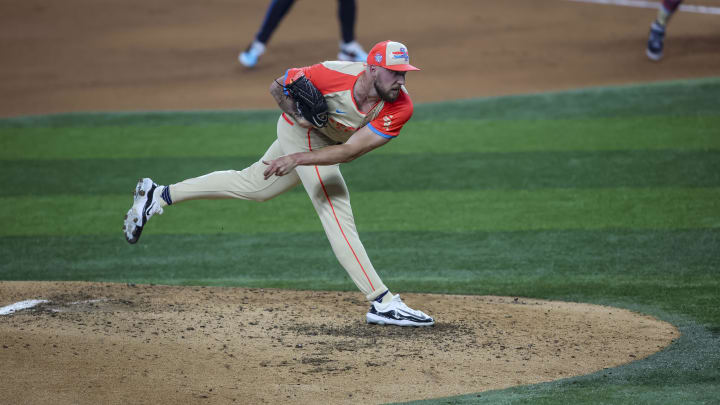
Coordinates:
<point>654,49</point>
<point>350,50</point>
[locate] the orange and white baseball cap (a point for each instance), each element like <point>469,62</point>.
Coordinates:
<point>390,55</point>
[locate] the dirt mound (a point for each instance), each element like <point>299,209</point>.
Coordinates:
<point>117,343</point>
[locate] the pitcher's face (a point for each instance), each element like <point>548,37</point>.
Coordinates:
<point>388,83</point>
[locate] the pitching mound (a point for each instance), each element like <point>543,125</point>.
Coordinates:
<point>116,343</point>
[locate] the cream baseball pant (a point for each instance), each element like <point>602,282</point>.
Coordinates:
<point>324,185</point>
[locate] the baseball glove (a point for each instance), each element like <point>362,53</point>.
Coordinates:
<point>310,102</point>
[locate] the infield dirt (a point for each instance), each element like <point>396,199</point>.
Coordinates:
<point>138,55</point>
<point>109,343</point>
<point>117,343</point>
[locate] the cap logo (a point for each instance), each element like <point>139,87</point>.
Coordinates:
<point>401,54</point>
<point>378,57</point>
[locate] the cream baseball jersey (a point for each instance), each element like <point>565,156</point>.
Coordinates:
<point>336,80</point>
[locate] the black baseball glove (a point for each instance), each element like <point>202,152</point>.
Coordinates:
<point>310,102</point>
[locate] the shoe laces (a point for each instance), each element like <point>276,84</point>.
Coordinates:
<point>655,41</point>
<point>397,303</point>
<point>155,208</point>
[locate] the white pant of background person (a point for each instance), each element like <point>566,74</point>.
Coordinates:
<point>324,185</point>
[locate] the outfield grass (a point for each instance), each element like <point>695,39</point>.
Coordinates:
<point>608,196</point>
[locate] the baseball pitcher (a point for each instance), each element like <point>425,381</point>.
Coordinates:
<point>332,112</point>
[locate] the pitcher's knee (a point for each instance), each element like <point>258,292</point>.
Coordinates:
<point>261,197</point>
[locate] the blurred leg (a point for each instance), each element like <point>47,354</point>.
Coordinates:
<point>346,15</point>
<point>666,11</point>
<point>275,13</point>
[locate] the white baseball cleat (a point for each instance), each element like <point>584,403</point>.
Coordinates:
<point>145,205</point>
<point>352,52</point>
<point>397,313</point>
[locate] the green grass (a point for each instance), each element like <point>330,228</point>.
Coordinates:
<point>437,171</point>
<point>247,140</point>
<point>609,196</point>
<point>454,210</point>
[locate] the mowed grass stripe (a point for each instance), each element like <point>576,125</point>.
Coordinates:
<point>576,264</point>
<point>607,134</point>
<point>671,98</point>
<point>450,136</point>
<point>136,141</point>
<point>488,210</point>
<point>451,171</point>
<point>674,98</point>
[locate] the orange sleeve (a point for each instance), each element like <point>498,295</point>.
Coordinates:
<point>392,117</point>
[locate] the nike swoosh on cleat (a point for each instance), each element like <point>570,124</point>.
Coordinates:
<point>412,317</point>
<point>339,112</point>
<point>397,315</point>
<point>148,203</point>
<point>147,211</point>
